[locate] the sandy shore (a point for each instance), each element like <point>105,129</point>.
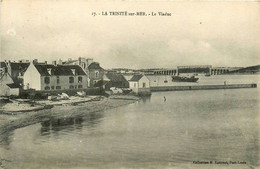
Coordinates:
<point>13,121</point>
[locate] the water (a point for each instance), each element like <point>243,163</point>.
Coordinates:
<point>166,80</point>
<point>221,125</point>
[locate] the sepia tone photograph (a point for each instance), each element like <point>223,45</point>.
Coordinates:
<point>124,84</point>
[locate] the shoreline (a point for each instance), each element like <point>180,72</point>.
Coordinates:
<point>10,122</point>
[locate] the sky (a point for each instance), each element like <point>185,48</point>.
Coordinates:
<point>196,33</point>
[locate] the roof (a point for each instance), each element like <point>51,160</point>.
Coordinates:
<point>79,70</point>
<point>94,65</point>
<point>100,83</point>
<point>127,76</point>
<point>21,67</point>
<point>136,78</point>
<point>115,77</point>
<point>70,62</point>
<point>59,70</point>
<point>14,85</point>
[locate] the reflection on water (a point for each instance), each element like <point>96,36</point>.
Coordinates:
<point>5,139</point>
<point>145,99</point>
<point>59,124</point>
<point>55,125</point>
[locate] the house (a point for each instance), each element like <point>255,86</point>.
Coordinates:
<point>140,84</point>
<point>95,73</point>
<point>45,77</point>
<point>17,70</point>
<point>113,80</point>
<point>93,69</point>
<point>7,85</point>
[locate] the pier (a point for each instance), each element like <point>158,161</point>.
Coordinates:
<point>202,87</point>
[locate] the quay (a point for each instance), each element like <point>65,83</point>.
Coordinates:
<point>202,87</point>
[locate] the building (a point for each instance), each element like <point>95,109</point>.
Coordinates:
<point>44,77</point>
<point>7,85</point>
<point>113,80</point>
<point>140,84</point>
<point>83,62</point>
<point>95,73</point>
<point>16,70</point>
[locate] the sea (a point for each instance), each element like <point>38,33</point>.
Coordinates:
<point>187,129</point>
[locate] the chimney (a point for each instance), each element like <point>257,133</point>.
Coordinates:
<point>35,61</point>
<point>54,62</point>
<point>89,61</point>
<point>46,62</point>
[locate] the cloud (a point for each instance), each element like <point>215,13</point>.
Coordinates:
<point>197,33</point>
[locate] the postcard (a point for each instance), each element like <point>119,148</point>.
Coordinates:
<point>129,84</point>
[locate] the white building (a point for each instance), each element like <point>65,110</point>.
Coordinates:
<point>55,77</point>
<point>140,84</point>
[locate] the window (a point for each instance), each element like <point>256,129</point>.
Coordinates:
<point>96,73</point>
<point>71,87</point>
<point>73,71</point>
<point>52,87</point>
<point>76,86</point>
<point>79,79</point>
<point>80,86</point>
<point>47,88</point>
<point>144,85</point>
<point>134,85</point>
<point>49,71</point>
<point>46,80</point>
<point>71,79</point>
<point>58,87</point>
<point>58,79</point>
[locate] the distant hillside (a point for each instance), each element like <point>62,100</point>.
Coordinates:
<point>246,70</point>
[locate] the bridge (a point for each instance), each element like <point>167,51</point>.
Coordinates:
<point>159,71</point>
<point>196,69</point>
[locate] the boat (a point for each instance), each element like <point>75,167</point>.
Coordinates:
<point>184,79</point>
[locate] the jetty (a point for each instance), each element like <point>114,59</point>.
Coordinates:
<point>202,87</point>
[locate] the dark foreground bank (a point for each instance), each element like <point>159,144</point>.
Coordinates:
<point>10,121</point>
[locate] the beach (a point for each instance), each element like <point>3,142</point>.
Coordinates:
<point>10,120</point>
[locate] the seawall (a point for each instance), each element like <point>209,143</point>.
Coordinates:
<point>202,87</point>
